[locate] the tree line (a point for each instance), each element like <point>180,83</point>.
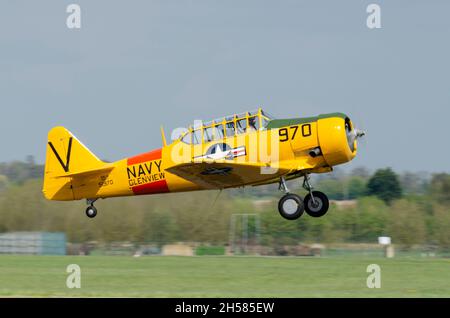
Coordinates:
<point>411,208</point>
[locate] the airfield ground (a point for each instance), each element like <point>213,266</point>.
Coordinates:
<point>221,276</point>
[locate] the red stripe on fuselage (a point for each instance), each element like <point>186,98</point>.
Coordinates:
<point>151,187</point>
<point>148,156</point>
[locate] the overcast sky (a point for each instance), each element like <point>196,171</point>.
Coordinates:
<point>135,65</point>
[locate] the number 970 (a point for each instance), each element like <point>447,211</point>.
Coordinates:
<point>285,132</point>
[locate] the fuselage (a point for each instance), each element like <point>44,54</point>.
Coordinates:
<point>235,151</point>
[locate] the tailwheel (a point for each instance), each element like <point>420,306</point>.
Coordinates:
<point>291,206</point>
<point>316,204</point>
<point>91,211</point>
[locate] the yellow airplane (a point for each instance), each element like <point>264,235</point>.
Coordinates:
<point>246,149</point>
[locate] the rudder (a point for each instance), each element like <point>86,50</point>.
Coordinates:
<point>66,156</point>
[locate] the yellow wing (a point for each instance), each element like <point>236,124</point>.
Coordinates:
<point>226,174</point>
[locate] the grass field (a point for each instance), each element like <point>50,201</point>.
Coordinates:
<point>220,276</point>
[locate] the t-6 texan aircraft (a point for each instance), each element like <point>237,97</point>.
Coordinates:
<point>246,149</point>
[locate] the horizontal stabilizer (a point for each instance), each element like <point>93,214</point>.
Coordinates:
<point>86,172</point>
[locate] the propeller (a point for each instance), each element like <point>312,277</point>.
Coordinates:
<point>352,135</point>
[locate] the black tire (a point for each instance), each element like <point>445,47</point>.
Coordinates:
<point>321,207</point>
<point>291,206</point>
<point>91,211</point>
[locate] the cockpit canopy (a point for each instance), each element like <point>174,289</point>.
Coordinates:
<point>226,127</point>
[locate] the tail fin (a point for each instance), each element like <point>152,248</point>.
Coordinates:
<point>66,157</point>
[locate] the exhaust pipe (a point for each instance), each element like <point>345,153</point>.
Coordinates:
<point>315,152</point>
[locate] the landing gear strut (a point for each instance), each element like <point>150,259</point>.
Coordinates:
<point>316,203</point>
<point>91,211</point>
<point>290,206</point>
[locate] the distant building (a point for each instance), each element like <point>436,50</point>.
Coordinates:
<point>35,243</point>
<point>177,250</point>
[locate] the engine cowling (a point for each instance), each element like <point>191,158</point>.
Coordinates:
<point>337,138</point>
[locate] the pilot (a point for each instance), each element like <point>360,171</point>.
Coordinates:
<point>252,124</point>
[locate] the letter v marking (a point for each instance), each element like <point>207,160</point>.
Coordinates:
<point>69,150</point>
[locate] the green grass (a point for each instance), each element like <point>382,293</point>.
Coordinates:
<point>220,276</point>
<point>210,250</point>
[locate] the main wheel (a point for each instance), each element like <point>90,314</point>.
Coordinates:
<point>291,206</point>
<point>91,211</point>
<point>319,207</point>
